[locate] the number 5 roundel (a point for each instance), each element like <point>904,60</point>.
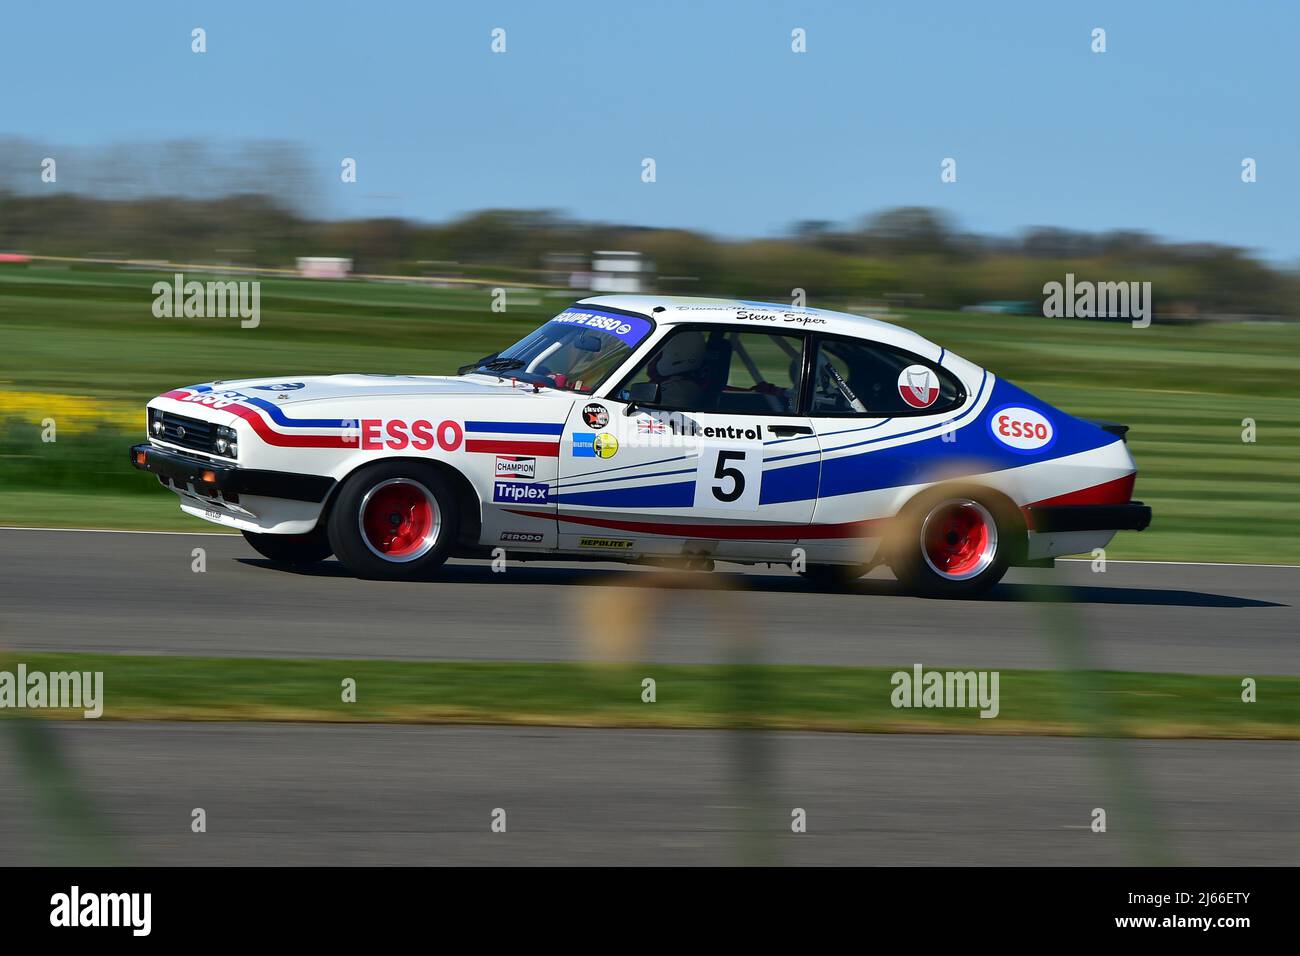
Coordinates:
<point>729,477</point>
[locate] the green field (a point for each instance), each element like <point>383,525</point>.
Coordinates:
<point>785,697</point>
<point>90,333</point>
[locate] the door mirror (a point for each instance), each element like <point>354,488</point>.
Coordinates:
<point>641,393</point>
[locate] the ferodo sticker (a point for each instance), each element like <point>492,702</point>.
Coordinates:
<point>918,386</point>
<point>1022,429</point>
<point>419,435</point>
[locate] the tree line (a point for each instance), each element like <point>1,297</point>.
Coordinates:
<point>913,256</point>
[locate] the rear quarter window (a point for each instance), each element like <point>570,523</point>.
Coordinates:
<point>859,377</point>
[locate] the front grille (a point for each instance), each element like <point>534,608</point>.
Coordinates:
<point>188,432</point>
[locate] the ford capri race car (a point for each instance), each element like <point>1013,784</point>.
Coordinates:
<point>660,430</point>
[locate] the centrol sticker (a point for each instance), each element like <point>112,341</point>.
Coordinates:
<point>1022,428</point>
<point>919,386</point>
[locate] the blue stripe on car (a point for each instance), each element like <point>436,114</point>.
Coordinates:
<point>516,428</point>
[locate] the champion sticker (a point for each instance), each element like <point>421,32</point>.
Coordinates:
<point>515,466</point>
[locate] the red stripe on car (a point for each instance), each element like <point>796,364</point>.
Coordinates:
<point>746,532</point>
<point>271,437</point>
<point>1117,492</point>
<point>490,446</point>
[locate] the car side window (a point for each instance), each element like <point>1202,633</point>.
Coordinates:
<point>853,377</point>
<point>720,370</point>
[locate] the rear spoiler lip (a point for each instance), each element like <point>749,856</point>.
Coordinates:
<point>1114,428</point>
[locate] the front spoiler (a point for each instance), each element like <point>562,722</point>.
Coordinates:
<point>1133,516</point>
<point>207,478</point>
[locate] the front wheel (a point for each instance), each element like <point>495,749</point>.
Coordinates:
<point>954,545</point>
<point>291,549</point>
<point>394,521</point>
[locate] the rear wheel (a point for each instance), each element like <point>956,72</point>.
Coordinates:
<point>291,549</point>
<point>394,521</point>
<point>955,545</point>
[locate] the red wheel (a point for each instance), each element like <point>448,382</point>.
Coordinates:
<point>959,539</point>
<point>394,521</point>
<point>399,520</point>
<point>954,543</point>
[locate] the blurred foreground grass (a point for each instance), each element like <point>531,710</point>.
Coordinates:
<point>74,337</point>
<point>785,697</point>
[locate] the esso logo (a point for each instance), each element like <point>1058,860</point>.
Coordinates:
<point>1022,428</point>
<point>214,399</point>
<point>420,435</point>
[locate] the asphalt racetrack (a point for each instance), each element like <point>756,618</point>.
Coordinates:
<point>285,794</point>
<point>338,794</point>
<point>137,593</point>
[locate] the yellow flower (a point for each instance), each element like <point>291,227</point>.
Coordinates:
<point>71,413</point>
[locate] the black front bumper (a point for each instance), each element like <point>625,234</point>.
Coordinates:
<point>208,478</point>
<point>1133,516</point>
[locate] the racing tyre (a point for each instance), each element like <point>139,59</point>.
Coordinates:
<point>832,576</point>
<point>955,544</point>
<point>394,521</point>
<point>291,549</point>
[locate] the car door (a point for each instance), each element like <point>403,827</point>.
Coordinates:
<point>704,455</point>
<point>883,418</point>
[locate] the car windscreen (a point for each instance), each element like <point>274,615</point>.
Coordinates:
<point>576,350</point>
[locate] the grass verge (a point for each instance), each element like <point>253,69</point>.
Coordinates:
<point>1213,407</point>
<point>1109,703</point>
<point>117,512</point>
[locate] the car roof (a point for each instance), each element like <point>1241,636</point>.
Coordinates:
<point>676,309</point>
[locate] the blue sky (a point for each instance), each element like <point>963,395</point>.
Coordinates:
<point>747,136</point>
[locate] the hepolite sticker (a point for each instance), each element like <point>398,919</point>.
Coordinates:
<point>1022,429</point>
<point>608,544</point>
<point>595,415</point>
<point>918,386</point>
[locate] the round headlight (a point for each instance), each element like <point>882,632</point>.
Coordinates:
<point>157,426</point>
<point>222,445</point>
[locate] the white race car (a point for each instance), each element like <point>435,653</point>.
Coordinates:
<point>658,429</point>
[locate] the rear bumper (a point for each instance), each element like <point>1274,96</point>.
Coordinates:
<point>206,478</point>
<point>1053,519</point>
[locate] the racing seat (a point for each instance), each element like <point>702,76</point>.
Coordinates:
<point>714,370</point>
